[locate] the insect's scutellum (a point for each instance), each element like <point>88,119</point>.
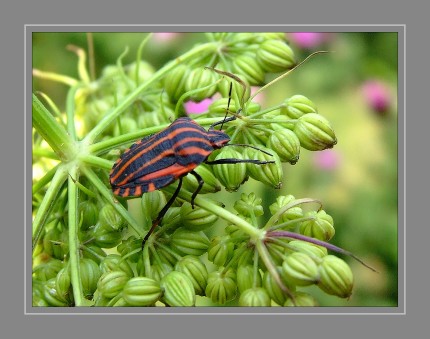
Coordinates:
<point>158,160</point>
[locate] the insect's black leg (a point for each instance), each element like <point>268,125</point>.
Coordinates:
<point>238,161</point>
<point>201,182</point>
<point>162,213</point>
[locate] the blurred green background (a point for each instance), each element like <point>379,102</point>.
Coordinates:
<point>354,86</point>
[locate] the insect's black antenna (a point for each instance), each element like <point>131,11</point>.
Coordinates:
<point>250,146</point>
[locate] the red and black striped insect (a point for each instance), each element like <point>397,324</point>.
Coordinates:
<point>158,160</point>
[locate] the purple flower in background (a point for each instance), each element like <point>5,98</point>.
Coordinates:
<point>309,40</point>
<point>327,160</point>
<point>192,107</point>
<point>377,96</point>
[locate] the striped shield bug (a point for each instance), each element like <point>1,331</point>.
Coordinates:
<point>160,159</point>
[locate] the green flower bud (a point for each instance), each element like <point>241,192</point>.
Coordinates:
<point>141,291</point>
<point>301,300</point>
<point>269,174</point>
<point>178,289</point>
<point>51,296</point>
<point>290,214</point>
<point>321,226</point>
<point>192,243</point>
<point>89,213</point>
<point>114,262</point>
<point>298,105</point>
<point>275,56</point>
<point>277,252</point>
<point>286,144</point>
<point>110,219</point>
<point>90,274</point>
<point>256,296</point>
<point>120,302</point>
<point>195,270</point>
<point>211,183</point>
<point>129,245</point>
<point>220,250</point>
<point>174,82</point>
<point>273,35</point>
<point>93,252</point>
<point>159,270</point>
<point>231,176</point>
<point>199,78</point>
<point>314,132</point>
<point>246,279</point>
<point>196,219</point>
<point>307,248</point>
<point>335,277</point>
<point>221,286</point>
<point>249,205</point>
<point>152,203</point>
<point>48,269</point>
<point>299,269</point>
<point>249,68</point>
<point>111,284</point>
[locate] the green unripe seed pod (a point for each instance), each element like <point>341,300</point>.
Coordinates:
<point>90,274</point>
<point>178,290</point>
<point>249,205</point>
<point>273,289</point>
<point>321,226</point>
<point>298,105</point>
<point>199,78</point>
<point>211,183</point>
<point>308,248</point>
<point>152,203</point>
<point>110,219</point>
<point>111,284</point>
<point>129,245</point>
<point>275,56</point>
<point>196,219</point>
<point>249,68</point>
<point>221,286</point>
<point>114,262</point>
<point>270,174</point>
<point>301,299</point>
<point>256,296</point>
<point>194,269</point>
<point>335,277</point>
<point>315,132</point>
<point>174,82</point>
<point>51,296</point>
<point>191,243</point>
<point>231,176</point>
<point>286,144</point>
<point>141,291</point>
<point>299,269</point>
<point>290,214</point>
<point>63,285</point>
<point>220,250</point>
<point>246,278</point>
<point>89,213</point>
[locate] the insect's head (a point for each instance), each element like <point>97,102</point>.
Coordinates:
<point>218,139</point>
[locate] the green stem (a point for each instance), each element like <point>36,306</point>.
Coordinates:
<point>93,160</point>
<point>48,202</point>
<point>124,104</point>
<point>53,133</point>
<point>43,181</point>
<point>70,111</point>
<point>73,238</point>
